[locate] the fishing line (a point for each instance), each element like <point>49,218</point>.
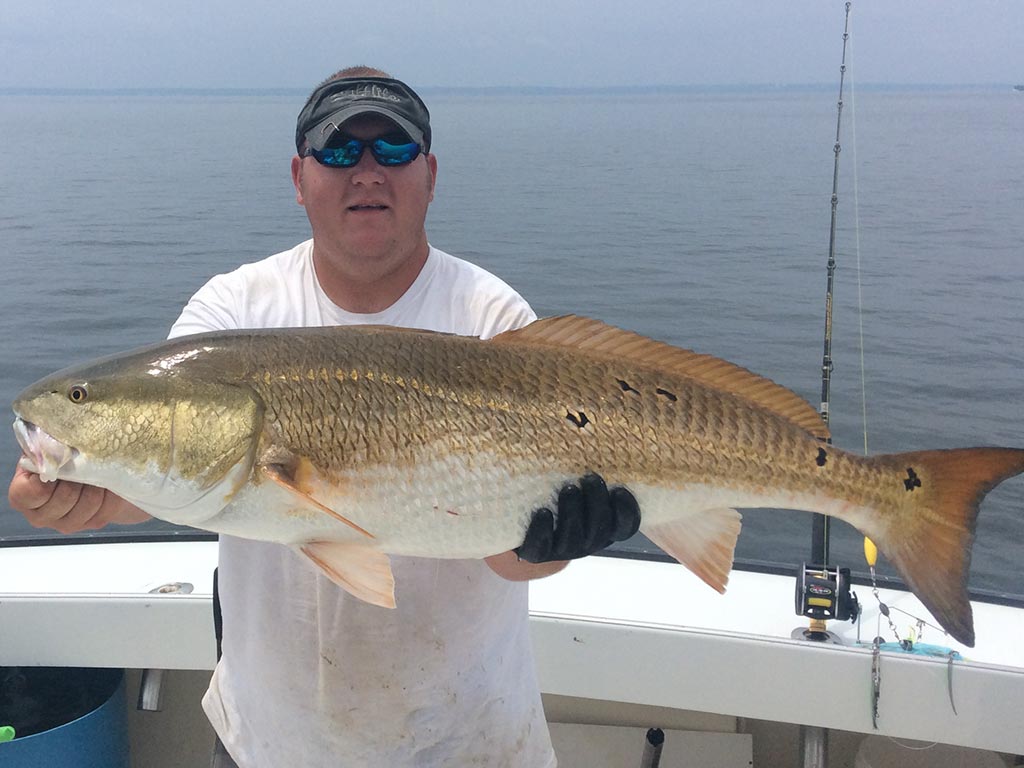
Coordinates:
<point>869,549</point>
<point>850,73</point>
<point>856,240</point>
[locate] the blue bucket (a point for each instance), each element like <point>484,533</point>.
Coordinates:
<point>96,739</point>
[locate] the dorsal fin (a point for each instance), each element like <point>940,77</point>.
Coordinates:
<point>608,341</point>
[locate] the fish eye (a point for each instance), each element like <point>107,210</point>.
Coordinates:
<point>78,393</point>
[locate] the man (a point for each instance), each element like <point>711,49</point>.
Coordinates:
<point>311,676</point>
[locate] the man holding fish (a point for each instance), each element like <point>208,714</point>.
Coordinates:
<point>310,674</point>
<point>416,468</point>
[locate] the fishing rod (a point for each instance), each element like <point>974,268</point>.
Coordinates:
<point>820,524</point>
<point>823,593</point>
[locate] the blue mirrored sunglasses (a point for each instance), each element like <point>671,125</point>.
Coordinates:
<point>345,153</point>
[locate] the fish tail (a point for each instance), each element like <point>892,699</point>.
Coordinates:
<point>931,545</point>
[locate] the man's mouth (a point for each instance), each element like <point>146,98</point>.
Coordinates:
<point>368,207</point>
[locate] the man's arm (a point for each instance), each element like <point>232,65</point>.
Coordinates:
<point>510,566</point>
<point>68,507</point>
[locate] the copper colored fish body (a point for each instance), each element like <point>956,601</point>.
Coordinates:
<point>357,442</point>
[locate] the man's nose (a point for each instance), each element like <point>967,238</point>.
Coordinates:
<point>367,170</point>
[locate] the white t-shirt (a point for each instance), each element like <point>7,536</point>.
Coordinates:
<point>313,677</point>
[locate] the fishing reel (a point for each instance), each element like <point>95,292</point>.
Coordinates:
<point>823,594</point>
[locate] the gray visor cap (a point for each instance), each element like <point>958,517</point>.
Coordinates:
<point>337,101</point>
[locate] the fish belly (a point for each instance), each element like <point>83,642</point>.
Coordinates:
<point>450,507</point>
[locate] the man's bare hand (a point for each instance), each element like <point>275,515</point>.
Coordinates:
<point>68,507</point>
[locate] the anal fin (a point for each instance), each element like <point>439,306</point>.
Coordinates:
<point>704,542</point>
<point>358,568</point>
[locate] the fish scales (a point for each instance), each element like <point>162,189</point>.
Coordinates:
<point>353,443</point>
<point>446,398</point>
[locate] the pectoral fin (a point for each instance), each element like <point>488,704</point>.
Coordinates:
<point>358,568</point>
<point>704,542</point>
<point>283,479</point>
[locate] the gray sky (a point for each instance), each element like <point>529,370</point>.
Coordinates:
<point>284,43</point>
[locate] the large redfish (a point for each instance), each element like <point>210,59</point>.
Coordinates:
<point>353,443</point>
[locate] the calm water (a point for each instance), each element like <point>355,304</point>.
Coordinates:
<point>700,218</point>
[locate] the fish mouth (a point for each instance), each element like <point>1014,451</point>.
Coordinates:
<point>44,454</point>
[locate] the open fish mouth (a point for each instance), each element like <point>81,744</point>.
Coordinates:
<point>44,454</point>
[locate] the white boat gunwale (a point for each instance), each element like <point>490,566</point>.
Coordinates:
<point>616,629</point>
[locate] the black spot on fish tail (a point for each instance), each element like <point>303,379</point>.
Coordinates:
<point>822,457</point>
<point>626,387</point>
<point>666,393</point>
<point>579,418</point>
<point>912,481</point>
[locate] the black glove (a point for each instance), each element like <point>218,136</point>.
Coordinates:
<point>590,517</point>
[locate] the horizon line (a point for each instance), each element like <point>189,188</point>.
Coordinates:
<point>537,89</point>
